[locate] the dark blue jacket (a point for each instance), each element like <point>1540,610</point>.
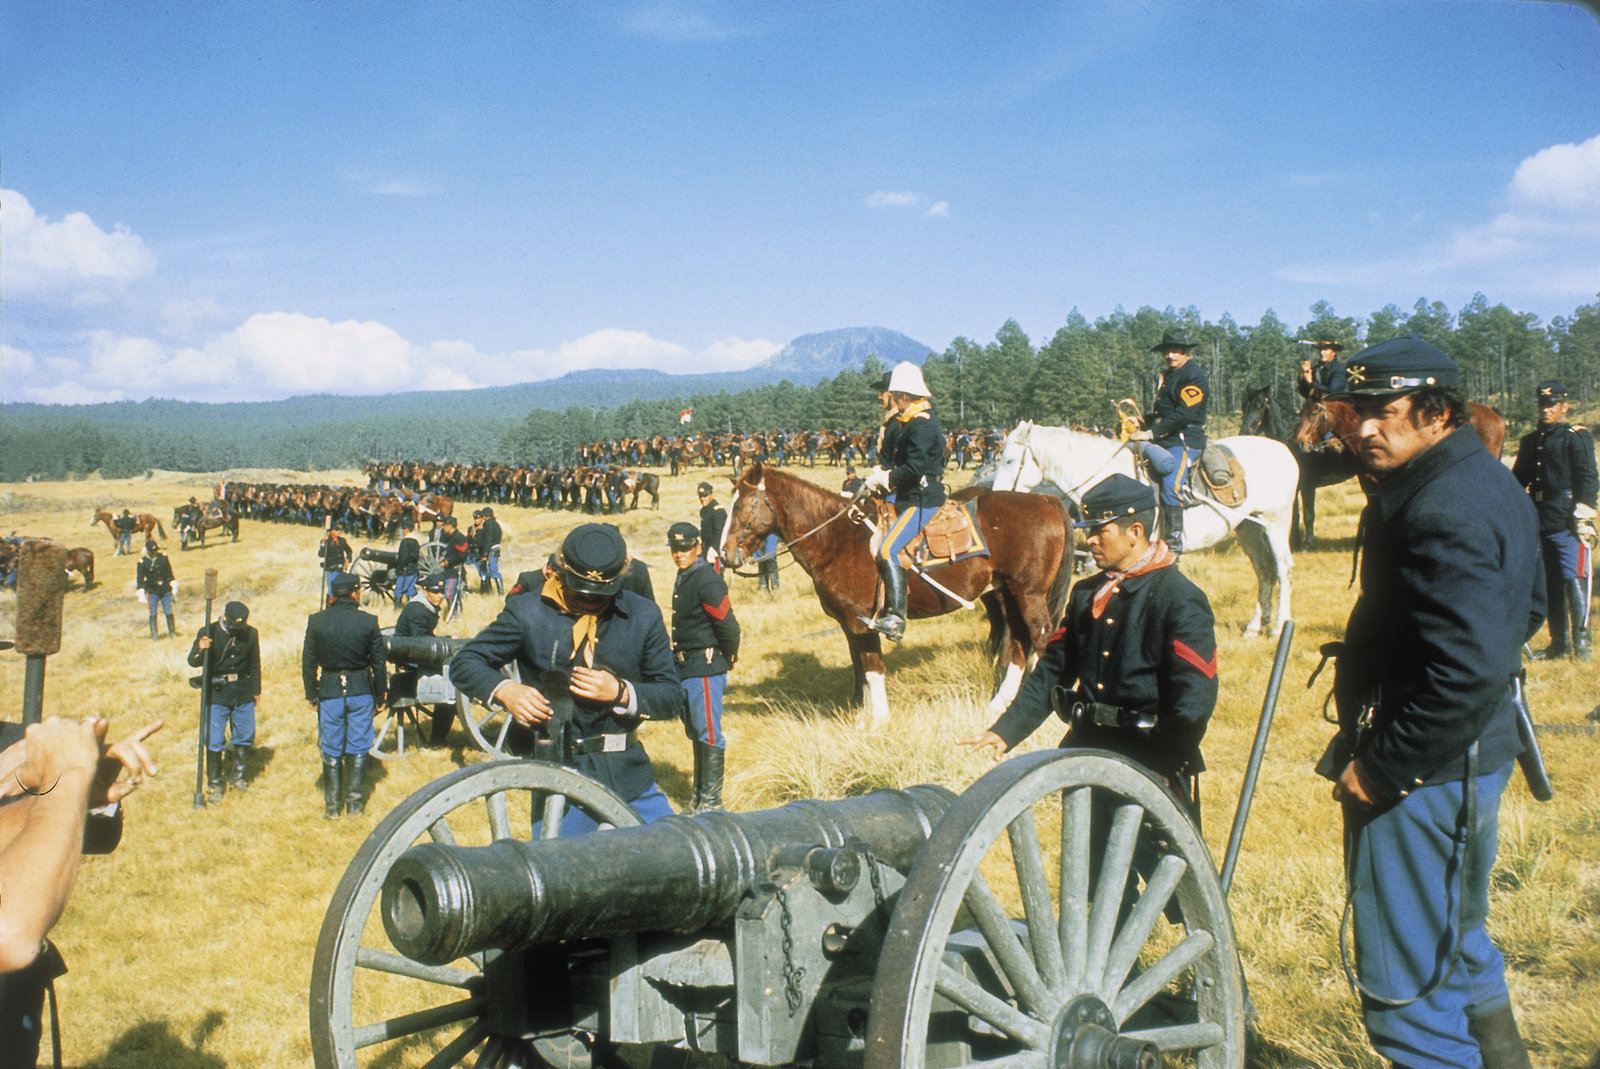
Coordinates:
<point>1326,377</point>
<point>1556,464</point>
<point>913,451</point>
<point>235,653</point>
<point>343,653</point>
<point>1153,652</point>
<point>1181,402</point>
<point>1451,587</point>
<point>631,643</point>
<point>705,633</point>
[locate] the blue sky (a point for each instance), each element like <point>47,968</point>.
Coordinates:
<point>245,201</point>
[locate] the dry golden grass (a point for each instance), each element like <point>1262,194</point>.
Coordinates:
<point>191,946</point>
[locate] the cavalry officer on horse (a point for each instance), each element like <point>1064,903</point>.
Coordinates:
<point>910,470</point>
<point>1326,376</point>
<point>1178,427</point>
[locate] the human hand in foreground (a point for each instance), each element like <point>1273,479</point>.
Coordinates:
<point>988,740</point>
<point>597,685</point>
<point>128,754</point>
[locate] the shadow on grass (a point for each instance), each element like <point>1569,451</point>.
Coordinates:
<point>802,677</point>
<point>153,1043</point>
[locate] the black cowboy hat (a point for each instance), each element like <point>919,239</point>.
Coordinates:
<point>1173,340</point>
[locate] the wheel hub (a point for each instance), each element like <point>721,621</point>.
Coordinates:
<point>1084,1036</point>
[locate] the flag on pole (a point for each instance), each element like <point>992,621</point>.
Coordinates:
<point>685,415</point>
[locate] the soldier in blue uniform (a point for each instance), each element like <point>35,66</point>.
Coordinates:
<point>1326,376</point>
<point>453,559</point>
<point>911,471</point>
<point>1556,465</point>
<point>1135,658</point>
<point>235,687</point>
<point>154,577</point>
<point>705,645</point>
<point>1178,426</point>
<point>342,666</point>
<point>713,518</point>
<point>335,554</point>
<point>1451,588</point>
<point>613,643</point>
<point>420,619</point>
<point>408,561</point>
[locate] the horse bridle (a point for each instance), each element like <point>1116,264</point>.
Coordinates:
<point>760,501</point>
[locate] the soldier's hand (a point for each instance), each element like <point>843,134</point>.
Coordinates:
<point>204,643</point>
<point>596,685</point>
<point>1352,787</point>
<point>1140,436</point>
<point>987,740</point>
<point>525,704</point>
<point>127,753</point>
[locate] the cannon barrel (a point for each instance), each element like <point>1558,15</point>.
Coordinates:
<point>386,557</point>
<point>680,874</point>
<point>424,651</point>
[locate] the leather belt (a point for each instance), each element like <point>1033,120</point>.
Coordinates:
<point>694,655</point>
<point>610,743</point>
<point>226,677</point>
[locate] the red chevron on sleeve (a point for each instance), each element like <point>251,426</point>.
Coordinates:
<point>720,610</point>
<point>1207,668</point>
<point>1060,632</point>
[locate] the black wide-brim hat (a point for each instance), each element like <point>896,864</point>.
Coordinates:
<point>1173,340</point>
<point>1397,366</point>
<point>592,559</point>
<point>1115,498</point>
<point>682,536</point>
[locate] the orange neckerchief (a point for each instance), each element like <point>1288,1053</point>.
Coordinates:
<point>585,629</point>
<point>1158,556</point>
<point>914,409</point>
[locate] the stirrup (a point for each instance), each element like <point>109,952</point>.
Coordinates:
<point>892,628</point>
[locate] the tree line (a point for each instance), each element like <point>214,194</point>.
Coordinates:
<point>1074,377</point>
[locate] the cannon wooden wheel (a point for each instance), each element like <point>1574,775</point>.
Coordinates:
<point>370,1005</point>
<point>486,725</point>
<point>1058,964</point>
<point>377,580</point>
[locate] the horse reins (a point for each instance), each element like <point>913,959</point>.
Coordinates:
<point>787,544</point>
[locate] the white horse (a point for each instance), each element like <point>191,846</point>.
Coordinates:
<point>1075,461</point>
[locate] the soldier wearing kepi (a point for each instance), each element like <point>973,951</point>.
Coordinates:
<point>1178,426</point>
<point>1451,588</point>
<point>911,471</point>
<point>1556,465</point>
<point>419,619</point>
<point>1136,650</point>
<point>155,578</point>
<point>235,688</point>
<point>705,644</point>
<point>713,518</point>
<point>612,649</point>
<point>342,666</point>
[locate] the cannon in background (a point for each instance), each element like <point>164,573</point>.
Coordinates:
<point>1061,913</point>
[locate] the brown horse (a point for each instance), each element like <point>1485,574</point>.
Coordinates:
<point>213,514</point>
<point>81,560</point>
<point>1022,583</point>
<point>144,523</point>
<point>1332,424</point>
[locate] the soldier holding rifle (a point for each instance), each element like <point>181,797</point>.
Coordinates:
<point>235,688</point>
<point>1450,590</point>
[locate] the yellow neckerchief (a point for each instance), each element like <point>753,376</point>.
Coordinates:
<point>914,409</point>
<point>1156,557</point>
<point>585,628</point>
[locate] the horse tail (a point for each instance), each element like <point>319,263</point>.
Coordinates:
<point>1061,585</point>
<point>160,530</point>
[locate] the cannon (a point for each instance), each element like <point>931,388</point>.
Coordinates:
<point>1062,913</point>
<point>375,568</point>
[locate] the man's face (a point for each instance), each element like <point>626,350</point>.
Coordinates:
<point>1117,548</point>
<point>1388,434</point>
<point>1327,354</point>
<point>1556,413</point>
<point>686,556</point>
<point>706,499</point>
<point>586,604</point>
<point>435,597</point>
<point>1175,358</point>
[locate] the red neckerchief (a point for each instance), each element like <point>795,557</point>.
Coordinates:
<point>1158,556</point>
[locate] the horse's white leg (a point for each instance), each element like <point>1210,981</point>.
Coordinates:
<point>875,704</point>
<point>1010,683</point>
<point>1253,540</point>
<point>1283,559</point>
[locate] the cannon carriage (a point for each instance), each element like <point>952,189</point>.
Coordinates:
<point>424,680</point>
<point>1063,912</point>
<point>376,569</point>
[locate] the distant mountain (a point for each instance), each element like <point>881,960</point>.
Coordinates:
<point>811,358</point>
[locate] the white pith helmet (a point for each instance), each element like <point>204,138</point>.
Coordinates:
<point>907,378</point>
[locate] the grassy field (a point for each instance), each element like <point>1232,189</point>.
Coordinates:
<point>190,947</point>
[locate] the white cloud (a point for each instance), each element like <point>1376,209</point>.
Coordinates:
<point>1563,177</point>
<point>886,199</point>
<point>71,257</point>
<point>938,210</point>
<point>388,185</point>
<point>688,20</point>
<point>1545,247</point>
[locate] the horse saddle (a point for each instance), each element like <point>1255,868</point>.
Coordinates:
<point>950,536</point>
<point>1218,475</point>
<point>211,511</point>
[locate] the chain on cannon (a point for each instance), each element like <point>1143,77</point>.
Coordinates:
<point>1062,913</point>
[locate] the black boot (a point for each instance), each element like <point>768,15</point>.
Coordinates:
<point>1172,527</point>
<point>499,586</point>
<point>241,755</point>
<point>483,586</point>
<point>1578,614</point>
<point>1557,621</point>
<point>707,778</point>
<point>213,777</point>
<point>155,632</point>
<point>172,627</point>
<point>1499,1042</point>
<point>355,782</point>
<point>443,717</point>
<point>892,623</point>
<point>332,789</point>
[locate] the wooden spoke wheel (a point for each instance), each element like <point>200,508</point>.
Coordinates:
<point>377,580</point>
<point>371,1006</point>
<point>1064,914</point>
<point>487,726</point>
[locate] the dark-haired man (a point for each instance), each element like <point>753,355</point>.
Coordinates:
<point>343,668</point>
<point>1556,465</point>
<point>610,649</point>
<point>713,518</point>
<point>1178,426</point>
<point>1451,587</point>
<point>155,578</point>
<point>705,645</point>
<point>1326,376</point>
